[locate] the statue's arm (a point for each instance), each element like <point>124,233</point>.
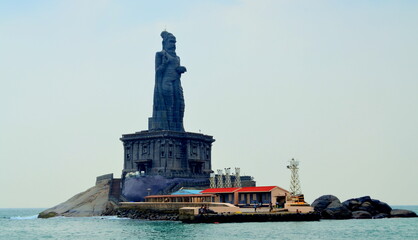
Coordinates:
<point>160,62</point>
<point>181,69</point>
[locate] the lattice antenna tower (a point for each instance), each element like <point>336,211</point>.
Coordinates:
<point>294,179</point>
<point>237,182</point>
<point>220,182</point>
<point>228,183</point>
<point>212,180</point>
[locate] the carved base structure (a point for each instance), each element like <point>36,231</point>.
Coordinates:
<point>168,153</point>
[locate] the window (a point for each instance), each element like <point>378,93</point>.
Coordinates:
<point>128,156</point>
<point>194,151</point>
<point>170,150</point>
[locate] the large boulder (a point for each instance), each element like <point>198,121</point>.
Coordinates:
<point>352,204</point>
<point>330,207</point>
<point>356,202</point>
<point>401,213</point>
<point>336,213</point>
<point>381,207</point>
<point>364,199</point>
<point>92,202</point>
<point>373,206</point>
<point>361,215</point>
<point>368,207</point>
<point>323,202</point>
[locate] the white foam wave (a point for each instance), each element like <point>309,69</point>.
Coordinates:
<point>24,217</point>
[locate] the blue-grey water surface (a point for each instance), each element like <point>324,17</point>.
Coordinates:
<point>23,224</point>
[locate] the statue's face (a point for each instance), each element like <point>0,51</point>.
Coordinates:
<point>170,44</point>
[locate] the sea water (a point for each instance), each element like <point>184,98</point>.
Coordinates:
<point>24,224</point>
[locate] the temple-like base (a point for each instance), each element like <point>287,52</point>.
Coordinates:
<point>168,153</point>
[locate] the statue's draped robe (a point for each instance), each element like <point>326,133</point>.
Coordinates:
<point>168,110</point>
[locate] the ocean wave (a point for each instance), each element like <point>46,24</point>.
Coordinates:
<point>24,217</point>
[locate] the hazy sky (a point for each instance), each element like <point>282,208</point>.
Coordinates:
<point>333,84</point>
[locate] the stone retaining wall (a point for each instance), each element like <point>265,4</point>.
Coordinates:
<point>171,206</point>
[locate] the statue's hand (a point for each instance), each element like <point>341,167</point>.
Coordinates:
<point>164,59</point>
<point>181,69</point>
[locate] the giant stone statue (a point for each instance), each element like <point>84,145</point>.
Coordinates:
<point>168,109</point>
<point>166,157</point>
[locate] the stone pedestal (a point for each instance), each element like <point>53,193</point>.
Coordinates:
<point>168,153</point>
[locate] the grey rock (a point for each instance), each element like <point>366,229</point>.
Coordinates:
<point>322,202</point>
<point>358,208</point>
<point>365,203</point>
<point>336,213</point>
<point>381,207</point>
<point>361,215</point>
<point>352,204</point>
<point>92,202</point>
<point>381,215</point>
<point>330,207</point>
<point>364,199</point>
<point>368,207</point>
<point>335,204</point>
<point>402,213</point>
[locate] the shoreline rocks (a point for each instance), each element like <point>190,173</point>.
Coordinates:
<point>402,213</point>
<point>330,207</point>
<point>145,215</point>
<point>92,202</point>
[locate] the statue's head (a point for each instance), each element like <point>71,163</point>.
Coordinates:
<point>169,41</point>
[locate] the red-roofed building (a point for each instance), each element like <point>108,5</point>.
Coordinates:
<point>256,189</point>
<point>249,195</point>
<point>193,198</point>
<point>220,190</point>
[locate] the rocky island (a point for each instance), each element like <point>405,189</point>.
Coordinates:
<point>98,201</point>
<point>165,158</point>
